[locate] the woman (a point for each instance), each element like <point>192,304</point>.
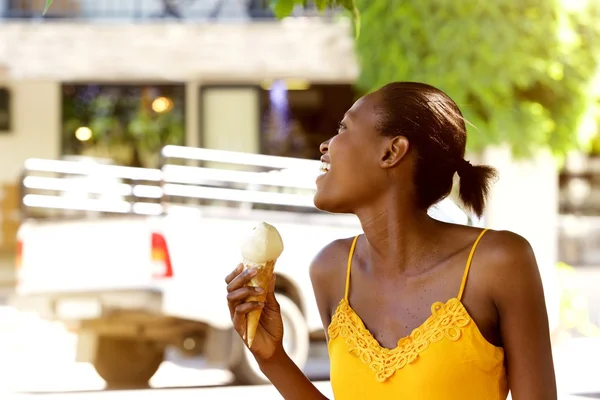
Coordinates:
<point>467,304</point>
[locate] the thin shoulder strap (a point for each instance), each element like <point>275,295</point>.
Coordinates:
<point>468,266</point>
<point>349,267</point>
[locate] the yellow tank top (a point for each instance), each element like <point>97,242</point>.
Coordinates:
<point>446,357</point>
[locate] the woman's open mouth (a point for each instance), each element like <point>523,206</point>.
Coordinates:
<point>324,168</point>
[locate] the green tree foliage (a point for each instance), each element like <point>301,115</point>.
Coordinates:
<point>283,8</point>
<point>519,70</point>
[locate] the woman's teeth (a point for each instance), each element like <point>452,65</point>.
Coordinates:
<point>324,167</point>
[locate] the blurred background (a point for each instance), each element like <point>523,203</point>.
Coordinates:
<point>140,138</point>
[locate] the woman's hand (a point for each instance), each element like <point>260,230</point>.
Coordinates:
<point>269,334</point>
<point>267,347</point>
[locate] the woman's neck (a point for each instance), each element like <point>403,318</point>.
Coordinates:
<point>399,239</point>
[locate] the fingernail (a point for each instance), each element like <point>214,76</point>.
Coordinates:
<point>252,271</point>
<point>259,290</point>
<point>261,304</point>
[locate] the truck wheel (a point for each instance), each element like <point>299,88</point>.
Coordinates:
<point>296,342</point>
<point>126,363</point>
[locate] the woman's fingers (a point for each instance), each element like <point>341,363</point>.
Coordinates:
<point>271,301</point>
<point>245,308</point>
<point>239,315</point>
<point>234,273</point>
<point>238,292</point>
<point>243,293</point>
<point>238,296</point>
<point>241,279</point>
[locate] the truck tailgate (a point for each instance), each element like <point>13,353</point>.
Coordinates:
<point>85,255</point>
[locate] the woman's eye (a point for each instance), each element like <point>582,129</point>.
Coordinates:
<point>341,126</point>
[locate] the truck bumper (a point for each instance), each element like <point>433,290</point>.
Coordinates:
<point>89,305</point>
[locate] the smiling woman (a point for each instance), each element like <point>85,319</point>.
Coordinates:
<point>414,308</point>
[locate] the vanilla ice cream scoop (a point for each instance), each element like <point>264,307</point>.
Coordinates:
<point>263,244</point>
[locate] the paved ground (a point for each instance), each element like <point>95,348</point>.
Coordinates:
<point>37,357</point>
<point>256,392</point>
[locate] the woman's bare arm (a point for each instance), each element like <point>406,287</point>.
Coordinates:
<point>285,375</point>
<point>288,379</point>
<point>517,291</point>
<point>267,346</point>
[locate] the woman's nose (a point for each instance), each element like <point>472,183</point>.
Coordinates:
<point>324,147</point>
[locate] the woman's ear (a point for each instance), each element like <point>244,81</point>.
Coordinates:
<point>394,150</point>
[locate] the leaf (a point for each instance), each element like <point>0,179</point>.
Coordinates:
<point>350,5</point>
<point>356,19</point>
<point>47,6</point>
<point>282,8</point>
<point>321,4</point>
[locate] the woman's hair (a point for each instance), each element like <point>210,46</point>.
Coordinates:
<point>436,130</point>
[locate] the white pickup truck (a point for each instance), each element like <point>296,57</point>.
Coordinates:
<point>134,259</point>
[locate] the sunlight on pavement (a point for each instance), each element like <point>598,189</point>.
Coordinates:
<point>38,356</point>
<point>254,392</point>
<point>249,392</point>
<point>577,364</point>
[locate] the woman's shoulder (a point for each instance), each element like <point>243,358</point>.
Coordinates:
<point>500,247</point>
<point>495,245</point>
<point>328,268</point>
<point>331,258</point>
<point>507,262</point>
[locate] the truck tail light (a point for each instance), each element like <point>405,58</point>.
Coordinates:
<point>161,260</point>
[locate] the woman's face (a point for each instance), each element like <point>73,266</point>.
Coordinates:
<point>351,172</point>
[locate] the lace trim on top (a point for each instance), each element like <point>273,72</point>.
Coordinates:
<point>446,321</point>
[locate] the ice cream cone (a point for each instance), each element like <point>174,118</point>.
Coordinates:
<point>260,250</point>
<point>262,280</point>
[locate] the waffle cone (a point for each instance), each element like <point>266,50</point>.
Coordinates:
<point>262,279</point>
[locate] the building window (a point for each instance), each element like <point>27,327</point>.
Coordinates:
<point>288,118</point>
<point>127,124</point>
<point>298,117</point>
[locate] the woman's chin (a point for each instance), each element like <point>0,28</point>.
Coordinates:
<point>326,204</point>
<point>320,202</point>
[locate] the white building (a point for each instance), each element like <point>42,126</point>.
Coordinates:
<point>221,62</point>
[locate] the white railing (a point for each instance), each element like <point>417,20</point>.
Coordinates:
<point>55,188</point>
